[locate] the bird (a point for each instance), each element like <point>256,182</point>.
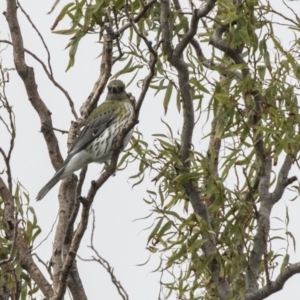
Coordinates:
<point>95,142</point>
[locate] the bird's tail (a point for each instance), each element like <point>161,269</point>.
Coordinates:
<point>58,176</point>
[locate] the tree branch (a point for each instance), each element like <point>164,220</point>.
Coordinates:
<point>66,199</point>
<point>197,14</point>
<point>136,19</point>
<point>274,286</point>
<point>75,284</point>
<point>263,228</point>
<point>283,181</point>
<point>27,75</point>
<point>175,58</point>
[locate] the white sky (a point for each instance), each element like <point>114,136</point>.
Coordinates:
<point>118,239</point>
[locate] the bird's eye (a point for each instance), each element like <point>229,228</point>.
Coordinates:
<point>115,89</point>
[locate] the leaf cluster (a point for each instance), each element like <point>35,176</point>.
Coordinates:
<point>15,282</point>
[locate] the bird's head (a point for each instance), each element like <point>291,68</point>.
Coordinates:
<point>116,86</point>
<point>116,91</point>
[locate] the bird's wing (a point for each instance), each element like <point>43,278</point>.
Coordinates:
<point>91,131</point>
<point>94,127</point>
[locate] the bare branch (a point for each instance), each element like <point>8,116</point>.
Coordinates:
<point>165,28</point>
<point>27,75</point>
<point>274,286</point>
<point>188,36</point>
<point>75,284</point>
<point>42,241</point>
<point>66,199</point>
<point>48,267</point>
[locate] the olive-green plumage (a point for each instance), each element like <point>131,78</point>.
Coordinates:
<point>96,140</point>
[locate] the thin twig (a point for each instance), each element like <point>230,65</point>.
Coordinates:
<point>142,12</point>
<point>105,264</point>
<point>121,53</point>
<point>42,241</point>
<point>48,268</point>
<point>51,78</point>
<point>40,36</point>
<point>10,128</point>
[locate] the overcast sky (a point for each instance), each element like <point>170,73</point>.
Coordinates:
<point>118,238</point>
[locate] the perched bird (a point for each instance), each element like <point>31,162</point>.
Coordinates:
<point>96,140</point>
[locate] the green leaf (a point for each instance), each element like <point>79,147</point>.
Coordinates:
<point>198,85</point>
<point>276,43</point>
<point>155,230</point>
<point>293,239</point>
<point>90,11</point>
<point>62,13</point>
<point>162,231</point>
<point>261,69</point>
<point>178,101</point>
<point>176,256</point>
<point>168,96</point>
<point>66,31</point>
<point>266,129</point>
<point>73,49</point>
<point>53,6</point>
<point>222,98</point>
